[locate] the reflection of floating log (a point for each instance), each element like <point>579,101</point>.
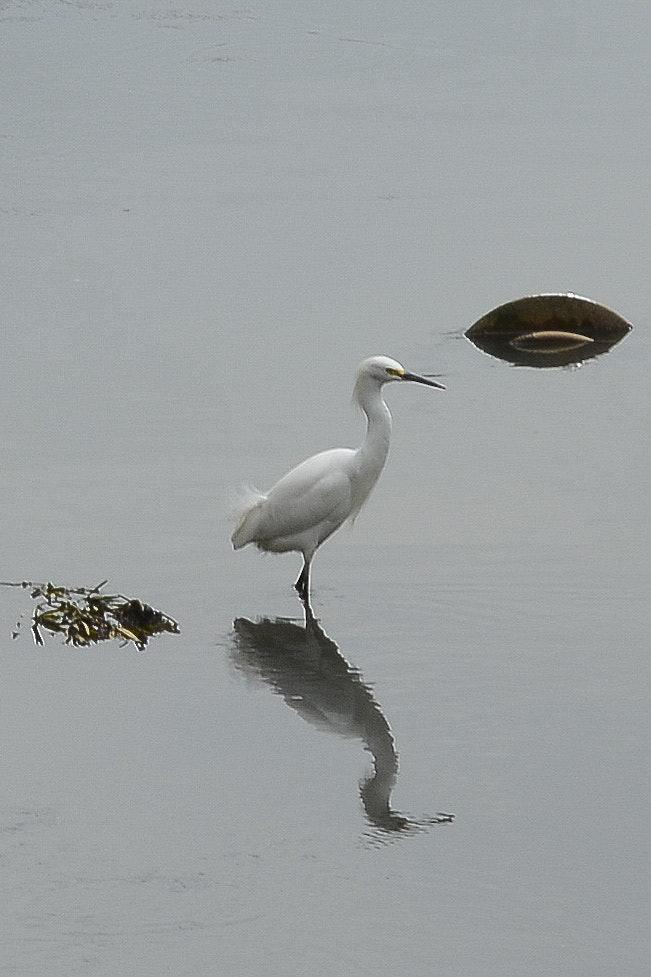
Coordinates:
<point>550,341</point>
<point>548,330</point>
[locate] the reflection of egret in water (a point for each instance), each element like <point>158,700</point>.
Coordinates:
<point>306,667</point>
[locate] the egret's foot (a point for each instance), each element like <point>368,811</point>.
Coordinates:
<point>301,590</point>
<point>302,585</point>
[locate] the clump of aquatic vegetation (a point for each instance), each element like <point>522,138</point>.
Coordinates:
<point>85,616</point>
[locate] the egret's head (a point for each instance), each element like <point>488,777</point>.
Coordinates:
<point>381,369</point>
<point>378,370</point>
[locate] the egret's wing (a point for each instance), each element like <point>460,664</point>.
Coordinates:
<point>317,491</point>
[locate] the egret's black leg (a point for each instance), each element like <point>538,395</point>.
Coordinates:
<point>302,585</point>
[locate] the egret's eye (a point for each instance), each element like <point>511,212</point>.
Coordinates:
<point>394,373</point>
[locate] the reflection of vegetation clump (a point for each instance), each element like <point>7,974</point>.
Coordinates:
<point>86,617</point>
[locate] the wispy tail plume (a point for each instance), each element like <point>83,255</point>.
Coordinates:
<point>245,501</point>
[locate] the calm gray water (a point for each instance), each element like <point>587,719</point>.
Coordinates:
<point>209,217</point>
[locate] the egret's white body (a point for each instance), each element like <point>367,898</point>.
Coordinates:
<point>314,499</point>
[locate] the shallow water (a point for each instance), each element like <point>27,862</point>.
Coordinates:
<point>209,218</point>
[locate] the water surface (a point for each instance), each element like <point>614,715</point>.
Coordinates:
<point>209,217</point>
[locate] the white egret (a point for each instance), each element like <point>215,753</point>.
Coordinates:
<point>314,499</point>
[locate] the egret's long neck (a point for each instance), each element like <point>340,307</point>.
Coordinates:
<point>372,454</point>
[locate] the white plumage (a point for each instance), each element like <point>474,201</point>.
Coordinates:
<point>314,499</point>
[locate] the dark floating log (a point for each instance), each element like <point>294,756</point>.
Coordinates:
<point>548,330</point>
